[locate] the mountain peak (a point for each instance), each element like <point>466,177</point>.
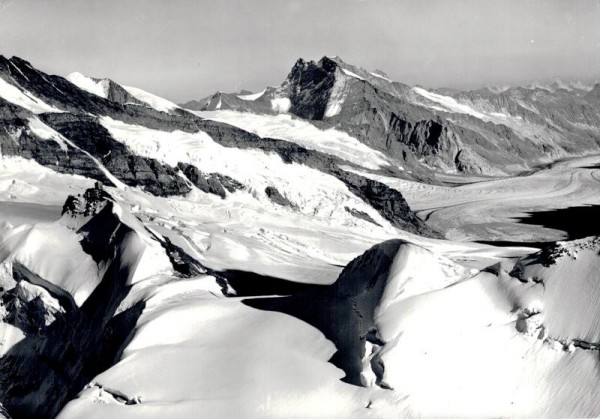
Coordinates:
<point>594,94</point>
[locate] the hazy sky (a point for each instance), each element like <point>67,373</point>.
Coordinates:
<point>184,49</point>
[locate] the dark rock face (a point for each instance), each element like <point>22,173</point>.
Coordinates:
<point>275,196</point>
<point>388,202</point>
<point>214,183</point>
<point>115,93</point>
<point>17,140</point>
<point>308,87</point>
<point>92,201</point>
<point>361,215</point>
<point>156,178</point>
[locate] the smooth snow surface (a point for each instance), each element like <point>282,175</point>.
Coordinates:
<point>453,346</point>
<point>252,96</point>
<point>570,289</point>
<point>215,357</point>
<point>98,88</point>
<point>286,127</point>
<point>53,252</point>
<point>24,99</point>
<point>156,102</point>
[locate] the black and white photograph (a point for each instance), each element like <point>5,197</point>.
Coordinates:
<point>299,209</point>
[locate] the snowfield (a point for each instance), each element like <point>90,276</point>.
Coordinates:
<point>256,364</point>
<point>285,127</point>
<point>310,191</point>
<point>449,331</point>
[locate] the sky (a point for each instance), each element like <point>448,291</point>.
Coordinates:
<point>185,49</point>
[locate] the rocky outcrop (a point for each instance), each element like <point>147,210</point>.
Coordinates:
<point>92,201</point>
<point>388,202</point>
<point>65,346</point>
<point>213,183</point>
<point>86,133</point>
<point>308,86</point>
<point>116,93</point>
<point>275,196</point>
<point>362,215</point>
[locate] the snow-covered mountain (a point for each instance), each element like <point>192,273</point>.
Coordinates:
<point>487,131</point>
<point>305,251</point>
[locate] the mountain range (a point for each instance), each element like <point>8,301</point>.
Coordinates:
<point>311,250</point>
<point>482,131</point>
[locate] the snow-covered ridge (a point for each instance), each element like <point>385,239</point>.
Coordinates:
<point>252,96</point>
<point>380,76</point>
<point>98,88</point>
<point>156,102</point>
<point>351,74</point>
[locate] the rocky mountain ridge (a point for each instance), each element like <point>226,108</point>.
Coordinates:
<point>482,132</point>
<point>59,125</point>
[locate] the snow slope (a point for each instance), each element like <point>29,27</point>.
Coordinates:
<point>481,344</point>
<point>53,252</point>
<point>447,103</point>
<point>252,96</point>
<point>260,364</point>
<point>286,127</point>
<point>156,102</point>
<point>455,342</point>
<point>338,94</point>
<point>436,315</point>
<point>98,88</point>
<point>23,98</point>
<point>309,190</point>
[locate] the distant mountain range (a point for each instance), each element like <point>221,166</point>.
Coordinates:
<point>490,131</point>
